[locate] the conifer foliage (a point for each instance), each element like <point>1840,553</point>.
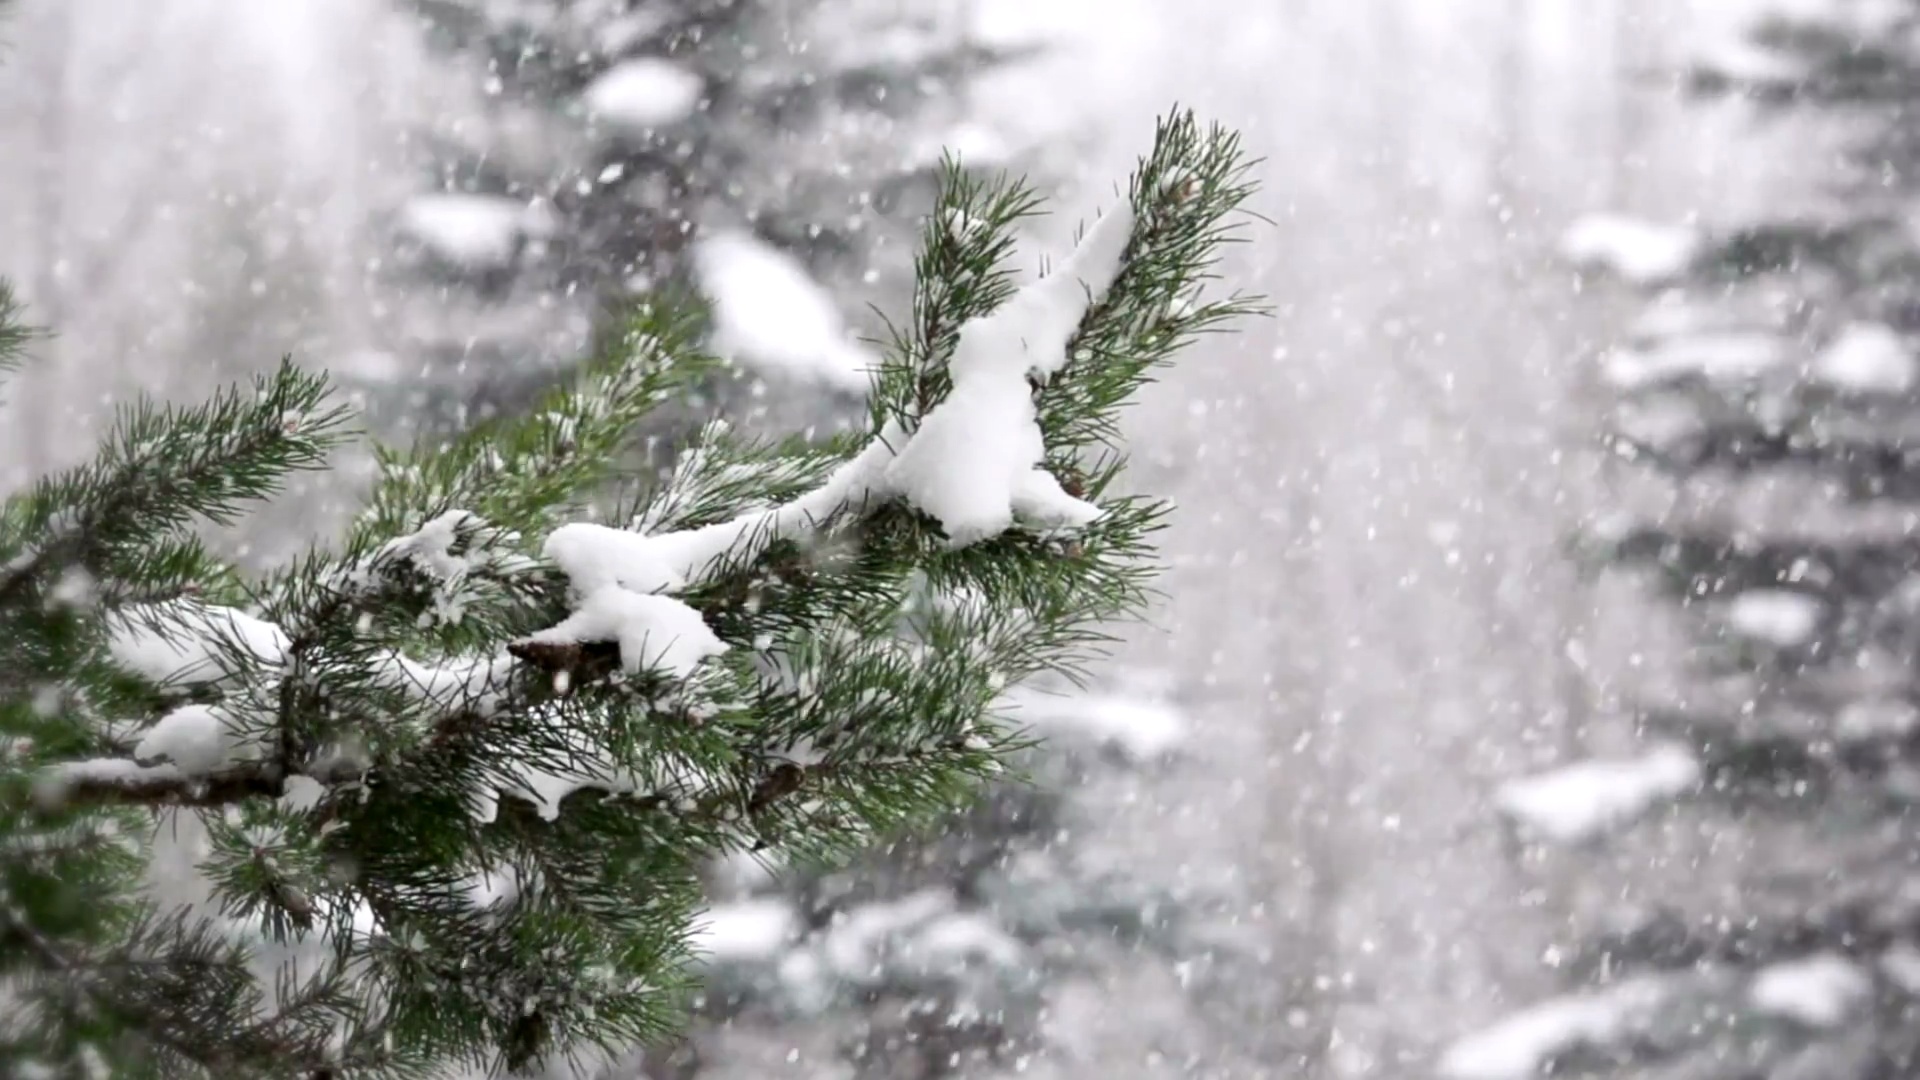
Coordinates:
<point>482,745</point>
<point>1748,872</point>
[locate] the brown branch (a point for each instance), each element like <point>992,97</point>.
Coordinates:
<point>161,786</point>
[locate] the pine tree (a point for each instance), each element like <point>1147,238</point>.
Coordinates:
<point>938,954</point>
<point>776,150</point>
<point>483,745</point>
<point>1746,903</point>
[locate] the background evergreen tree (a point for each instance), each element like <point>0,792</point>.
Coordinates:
<point>1746,884</point>
<point>772,157</point>
<point>482,747</point>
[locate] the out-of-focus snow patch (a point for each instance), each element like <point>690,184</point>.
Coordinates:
<point>1518,1047</point>
<point>1866,358</point>
<point>477,232</point>
<point>367,366</point>
<point>1142,727</point>
<point>769,312</point>
<point>975,144</point>
<point>1738,59</point>
<point>616,35</point>
<point>1717,358</point>
<point>1661,423</point>
<point>1901,965</point>
<point>1819,991</point>
<point>1876,719</point>
<point>1022,24</point>
<point>1644,253</point>
<point>638,96</point>
<point>1782,618</point>
<point>851,947</point>
<point>961,938</point>
<point>749,931</point>
<point>1580,801</point>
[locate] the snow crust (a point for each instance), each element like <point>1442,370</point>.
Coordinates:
<point>770,313</point>
<point>1867,358</point>
<point>641,95</point>
<point>1641,252</point>
<point>1580,801</point>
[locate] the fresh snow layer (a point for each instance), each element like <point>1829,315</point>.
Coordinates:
<point>750,931</point>
<point>197,739</point>
<point>653,632</point>
<point>476,232</point>
<point>1819,991</point>
<point>1580,801</point>
<point>637,96</point>
<point>1640,252</point>
<point>1518,1047</point>
<point>1866,358</point>
<point>179,642</point>
<point>974,463</point>
<point>1782,618</point>
<point>769,313</point>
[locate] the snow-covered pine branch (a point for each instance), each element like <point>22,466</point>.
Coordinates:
<point>785,647</point>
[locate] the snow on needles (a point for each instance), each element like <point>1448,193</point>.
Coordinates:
<point>974,464</point>
<point>975,461</point>
<point>181,642</point>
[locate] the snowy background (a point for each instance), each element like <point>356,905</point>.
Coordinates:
<point>1374,643</point>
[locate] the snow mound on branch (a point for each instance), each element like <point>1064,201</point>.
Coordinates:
<point>197,739</point>
<point>1866,358</point>
<point>475,232</point>
<point>1640,252</point>
<point>1782,618</point>
<point>637,96</point>
<point>1732,356</point>
<point>1520,1046</point>
<point>750,931</point>
<point>653,632</point>
<point>180,642</point>
<point>974,464</point>
<point>769,312</point>
<point>1580,801</point>
<point>1820,991</point>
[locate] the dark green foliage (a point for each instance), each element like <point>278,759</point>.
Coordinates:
<point>437,835</point>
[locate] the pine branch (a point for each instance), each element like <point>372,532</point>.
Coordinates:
<point>781,647</point>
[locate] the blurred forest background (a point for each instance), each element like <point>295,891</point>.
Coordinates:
<point>1534,689</point>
